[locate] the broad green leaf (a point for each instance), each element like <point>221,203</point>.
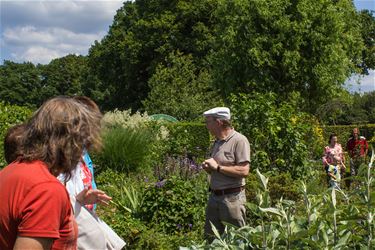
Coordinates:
<point>271,210</point>
<point>263,179</point>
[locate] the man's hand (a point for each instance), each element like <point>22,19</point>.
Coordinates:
<point>210,164</point>
<point>92,196</point>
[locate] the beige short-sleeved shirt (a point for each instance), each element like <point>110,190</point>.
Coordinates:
<point>231,151</point>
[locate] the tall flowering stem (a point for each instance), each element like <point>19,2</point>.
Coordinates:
<point>370,214</point>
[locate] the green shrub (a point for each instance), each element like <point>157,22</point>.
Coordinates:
<point>131,141</point>
<point>344,132</point>
<point>176,205</point>
<point>125,119</point>
<point>191,139</point>
<point>280,186</point>
<point>153,238</point>
<point>137,232</point>
<point>125,149</point>
<point>10,115</point>
<point>280,135</point>
<point>323,219</point>
<point>123,222</point>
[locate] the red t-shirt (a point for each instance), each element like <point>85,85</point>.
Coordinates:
<point>357,148</point>
<point>35,204</point>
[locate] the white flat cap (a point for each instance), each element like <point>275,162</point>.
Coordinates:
<point>219,112</point>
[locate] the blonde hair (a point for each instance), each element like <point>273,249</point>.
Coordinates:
<point>58,132</point>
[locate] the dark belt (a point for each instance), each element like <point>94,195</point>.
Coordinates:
<point>227,191</point>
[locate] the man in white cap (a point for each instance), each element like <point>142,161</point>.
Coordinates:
<point>227,166</point>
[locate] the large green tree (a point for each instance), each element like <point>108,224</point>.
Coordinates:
<point>180,89</point>
<point>64,76</point>
<point>284,46</point>
<point>20,83</point>
<point>143,34</point>
<point>367,21</point>
<point>29,84</point>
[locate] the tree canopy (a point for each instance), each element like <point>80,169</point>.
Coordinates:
<point>287,47</point>
<point>142,36</point>
<point>180,89</point>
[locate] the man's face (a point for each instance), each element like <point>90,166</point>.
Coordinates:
<point>355,133</point>
<point>211,123</point>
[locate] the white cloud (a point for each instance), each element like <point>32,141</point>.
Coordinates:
<point>39,31</point>
<point>82,16</point>
<point>26,43</point>
<point>37,54</point>
<point>359,83</point>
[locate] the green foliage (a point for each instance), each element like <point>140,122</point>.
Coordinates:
<point>349,109</point>
<point>125,119</point>
<point>286,46</point>
<point>135,142</point>
<point>280,186</point>
<point>20,83</point>
<point>278,133</point>
<point>333,219</point>
<point>333,111</point>
<point>168,204</point>
<point>30,85</point>
<point>10,115</point>
<point>141,37</point>
<point>367,21</point>
<point>126,149</point>
<point>190,139</point>
<point>180,89</point>
<point>122,221</point>
<point>64,76</point>
<point>344,132</point>
<point>362,110</point>
<point>142,234</point>
<point>130,142</point>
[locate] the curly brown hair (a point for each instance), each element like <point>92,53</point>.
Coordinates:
<point>58,132</point>
<point>13,142</point>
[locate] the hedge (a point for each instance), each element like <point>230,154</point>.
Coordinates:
<point>343,132</point>
<point>10,115</point>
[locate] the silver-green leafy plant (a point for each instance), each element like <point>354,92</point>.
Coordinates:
<point>330,219</point>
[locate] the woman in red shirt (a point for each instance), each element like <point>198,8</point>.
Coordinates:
<point>35,211</point>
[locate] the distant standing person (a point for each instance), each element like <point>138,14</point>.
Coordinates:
<point>333,161</point>
<point>227,166</point>
<point>357,147</point>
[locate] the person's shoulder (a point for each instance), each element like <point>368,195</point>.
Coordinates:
<point>239,136</point>
<point>362,138</point>
<point>30,172</point>
<point>51,191</point>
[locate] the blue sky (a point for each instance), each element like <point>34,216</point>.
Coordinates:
<point>41,30</point>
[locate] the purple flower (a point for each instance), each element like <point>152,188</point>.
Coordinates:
<point>146,179</point>
<point>160,184</point>
<point>190,226</point>
<point>193,167</point>
<point>179,226</point>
